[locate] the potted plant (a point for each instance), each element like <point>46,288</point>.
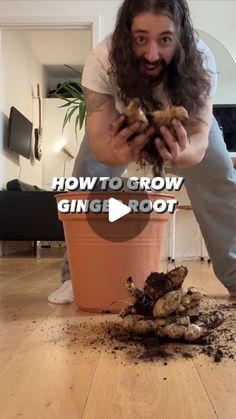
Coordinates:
<point>71,93</point>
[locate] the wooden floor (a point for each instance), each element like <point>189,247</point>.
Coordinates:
<point>46,374</point>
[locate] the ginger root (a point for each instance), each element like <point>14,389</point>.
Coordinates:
<point>194,332</point>
<point>165,117</point>
<point>167,304</point>
<point>134,112</point>
<point>166,309</point>
<point>157,284</point>
<point>174,331</point>
<point>138,324</point>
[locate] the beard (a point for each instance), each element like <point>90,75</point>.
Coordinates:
<point>153,71</point>
<point>141,85</point>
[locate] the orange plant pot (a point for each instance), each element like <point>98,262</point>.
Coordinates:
<point>99,268</point>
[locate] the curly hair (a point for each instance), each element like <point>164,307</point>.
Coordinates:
<point>187,83</point>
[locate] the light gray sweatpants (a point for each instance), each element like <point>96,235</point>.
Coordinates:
<point>211,187</point>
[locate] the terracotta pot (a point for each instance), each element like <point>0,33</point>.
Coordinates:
<point>99,268</point>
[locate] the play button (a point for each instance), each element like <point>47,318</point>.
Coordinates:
<point>117,210</point>
<point>118,223</point>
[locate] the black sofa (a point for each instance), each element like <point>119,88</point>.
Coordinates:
<point>29,214</point>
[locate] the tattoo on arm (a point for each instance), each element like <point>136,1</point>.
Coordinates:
<point>94,100</point>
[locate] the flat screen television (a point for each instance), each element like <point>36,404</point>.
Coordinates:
<point>20,133</point>
<point>226,117</point>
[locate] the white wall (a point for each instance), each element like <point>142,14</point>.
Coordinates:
<point>57,10</point>
<point>226,69</point>
<point>51,45</point>
<point>216,17</point>
<point>55,162</point>
<point>20,73</point>
<point>2,161</point>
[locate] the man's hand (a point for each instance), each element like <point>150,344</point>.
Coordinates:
<point>174,150</point>
<point>125,149</point>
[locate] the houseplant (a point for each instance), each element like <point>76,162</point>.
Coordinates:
<point>71,93</point>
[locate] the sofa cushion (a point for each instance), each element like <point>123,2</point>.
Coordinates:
<point>18,185</point>
<point>29,216</point>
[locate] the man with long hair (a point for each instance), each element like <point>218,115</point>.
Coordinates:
<point>154,54</point>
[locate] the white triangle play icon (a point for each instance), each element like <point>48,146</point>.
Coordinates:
<point>117,210</point>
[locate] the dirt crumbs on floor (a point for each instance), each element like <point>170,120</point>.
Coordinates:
<point>165,320</point>
<point>109,335</point>
<point>220,344</point>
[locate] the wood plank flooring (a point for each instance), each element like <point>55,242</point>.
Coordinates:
<point>48,372</point>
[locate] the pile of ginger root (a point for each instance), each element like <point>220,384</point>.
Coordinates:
<point>134,113</point>
<point>168,310</point>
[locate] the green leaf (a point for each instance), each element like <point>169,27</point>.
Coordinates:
<point>65,119</point>
<point>74,69</point>
<point>82,112</point>
<point>72,88</point>
<point>71,112</point>
<point>76,125</point>
<point>73,92</point>
<point>68,116</point>
<point>71,103</point>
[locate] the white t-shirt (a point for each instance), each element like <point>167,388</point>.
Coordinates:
<point>96,69</point>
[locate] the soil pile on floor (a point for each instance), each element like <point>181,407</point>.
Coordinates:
<point>110,336</point>
<point>165,320</point>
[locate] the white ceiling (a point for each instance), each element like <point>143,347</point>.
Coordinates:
<point>54,48</point>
